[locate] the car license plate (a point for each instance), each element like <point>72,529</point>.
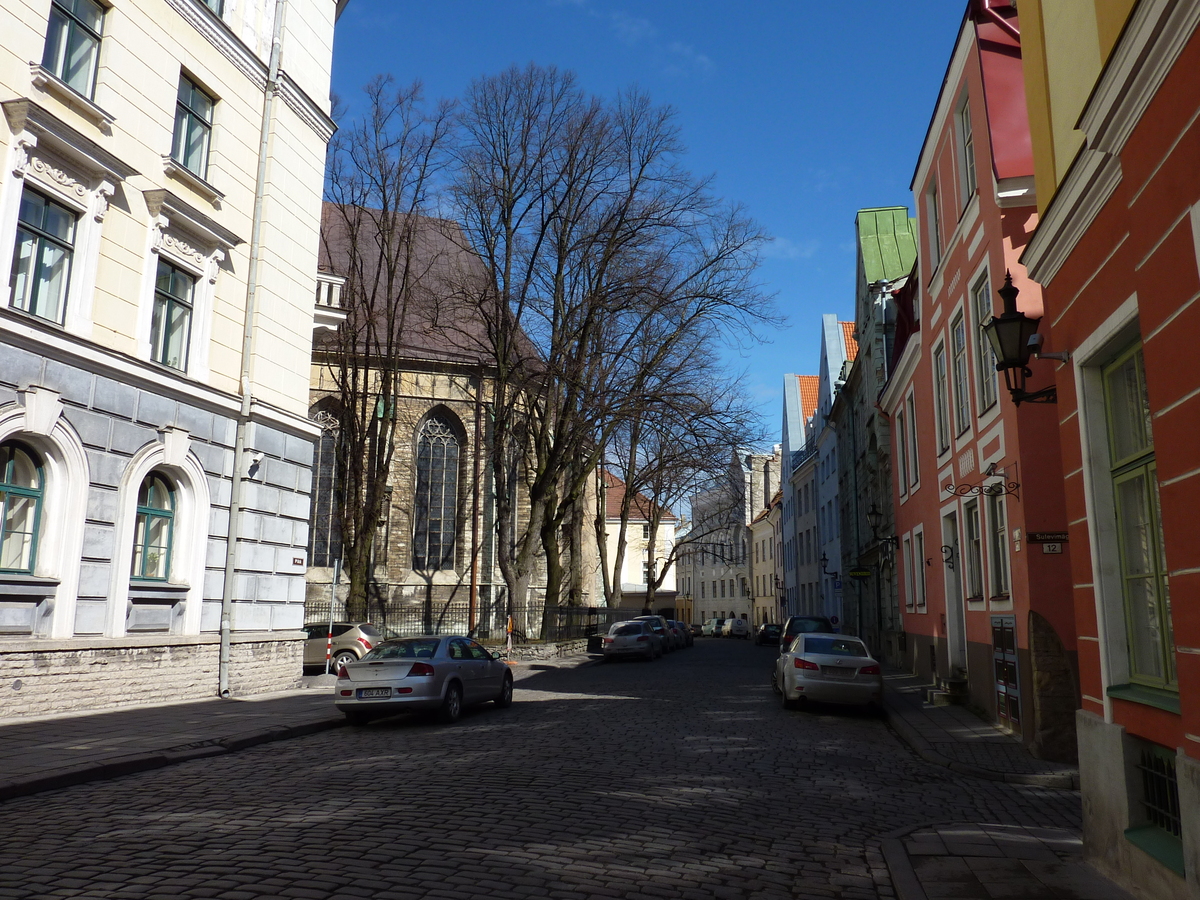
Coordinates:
<point>374,693</point>
<point>837,672</point>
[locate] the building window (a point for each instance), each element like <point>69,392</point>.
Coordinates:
<point>909,581</point>
<point>914,473</point>
<point>998,546</point>
<point>171,325</point>
<point>645,532</point>
<point>722,589</point>
<point>325,534</point>
<point>703,584</point>
<point>974,554</point>
<point>933,227</point>
<point>966,145</point>
<point>217,6</point>
<point>22,487</point>
<point>986,355</point>
<point>962,403</point>
<point>154,530</point>
<point>193,127</point>
<point>73,43</point>
<point>436,507</point>
<point>42,258</point>
<point>901,455</point>
<point>919,566</point>
<point>1139,522</point>
<point>942,402</point>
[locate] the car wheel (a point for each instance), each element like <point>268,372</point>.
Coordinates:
<point>774,681</point>
<point>356,717</point>
<point>504,701</point>
<point>342,658</point>
<point>451,704</point>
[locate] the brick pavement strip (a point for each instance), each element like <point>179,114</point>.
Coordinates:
<point>678,778</point>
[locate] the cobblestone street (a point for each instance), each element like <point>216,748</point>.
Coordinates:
<point>681,778</point>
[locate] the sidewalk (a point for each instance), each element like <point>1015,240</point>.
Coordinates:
<point>954,737</point>
<point>44,753</point>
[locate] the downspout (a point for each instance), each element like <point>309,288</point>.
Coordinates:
<point>239,447</point>
<point>1002,23</point>
<point>475,506</point>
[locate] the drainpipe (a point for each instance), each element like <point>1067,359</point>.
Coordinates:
<point>239,446</point>
<point>476,490</point>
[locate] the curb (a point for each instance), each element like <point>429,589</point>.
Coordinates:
<point>115,767</point>
<point>897,722</point>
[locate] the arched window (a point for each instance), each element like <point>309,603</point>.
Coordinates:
<point>21,490</point>
<point>436,507</point>
<point>154,530</point>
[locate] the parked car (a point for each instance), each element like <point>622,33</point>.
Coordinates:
<point>684,632</point>
<point>659,624</point>
<point>738,628</point>
<point>351,641</point>
<point>712,628</point>
<point>434,672</point>
<point>803,625</point>
<point>767,634</point>
<point>633,638</point>
<point>829,667</point>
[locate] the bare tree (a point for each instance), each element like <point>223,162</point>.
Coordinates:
<point>381,171</point>
<point>594,238</point>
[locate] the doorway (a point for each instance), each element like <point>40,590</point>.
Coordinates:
<point>956,623</point>
<point>1004,662</point>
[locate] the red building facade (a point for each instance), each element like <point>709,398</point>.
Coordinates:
<point>983,562</point>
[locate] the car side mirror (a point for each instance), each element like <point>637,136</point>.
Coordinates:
<point>496,654</point>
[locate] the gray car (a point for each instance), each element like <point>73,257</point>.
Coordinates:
<point>436,673</point>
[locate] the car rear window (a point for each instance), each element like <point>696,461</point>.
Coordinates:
<point>835,646</point>
<point>800,626</point>
<point>624,629</point>
<point>415,648</point>
<point>370,630</point>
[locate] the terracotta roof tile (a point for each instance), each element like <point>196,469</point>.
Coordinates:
<point>810,393</point>
<point>851,343</point>
<point>641,507</point>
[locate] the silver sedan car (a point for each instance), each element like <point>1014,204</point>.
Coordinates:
<point>437,673</point>
<point>833,668</point>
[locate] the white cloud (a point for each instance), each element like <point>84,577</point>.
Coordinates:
<point>784,248</point>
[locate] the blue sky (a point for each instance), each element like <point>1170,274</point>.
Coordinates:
<point>803,111</point>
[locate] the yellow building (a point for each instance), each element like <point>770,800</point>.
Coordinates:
<point>159,213</point>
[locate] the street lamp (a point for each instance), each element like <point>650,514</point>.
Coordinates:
<point>1013,336</point>
<point>824,563</point>
<point>875,520</point>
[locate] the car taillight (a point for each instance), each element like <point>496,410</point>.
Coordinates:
<point>364,642</point>
<point>644,637</point>
<point>805,664</point>
<point>608,640</point>
<point>869,670</point>
<point>420,668</point>
<point>342,673</point>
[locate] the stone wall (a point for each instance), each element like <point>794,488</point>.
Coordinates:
<point>42,677</point>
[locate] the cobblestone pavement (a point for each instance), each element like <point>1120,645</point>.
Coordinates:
<point>680,778</point>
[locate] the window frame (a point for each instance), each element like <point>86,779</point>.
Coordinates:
<point>184,112</point>
<point>448,530</point>
<point>989,383</point>
<point>941,397</point>
<point>966,150</point>
<point>960,374</point>
<point>999,571</point>
<point>144,512</point>
<point>973,545</point>
<point>38,495</point>
<point>914,472</point>
<point>166,302</point>
<point>40,234</point>
<point>73,24</point>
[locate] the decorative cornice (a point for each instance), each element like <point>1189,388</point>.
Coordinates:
<point>302,105</point>
<point>1156,34</point>
<point>1089,183</point>
<point>174,169</point>
<point>161,202</point>
<point>220,36</point>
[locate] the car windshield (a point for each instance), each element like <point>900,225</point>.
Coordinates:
<point>624,629</point>
<point>771,629</point>
<point>834,646</point>
<point>415,648</point>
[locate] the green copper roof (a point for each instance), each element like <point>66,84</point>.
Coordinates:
<point>887,239</point>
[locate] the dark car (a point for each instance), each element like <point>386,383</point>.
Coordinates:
<point>659,626</point>
<point>767,634</point>
<point>803,625</point>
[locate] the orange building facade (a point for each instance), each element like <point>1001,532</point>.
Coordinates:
<point>1114,103</point>
<point>984,572</point>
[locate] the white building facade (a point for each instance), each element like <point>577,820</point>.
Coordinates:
<point>159,214</point>
<point>837,349</point>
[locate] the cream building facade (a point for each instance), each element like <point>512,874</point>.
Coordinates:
<point>159,214</point>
